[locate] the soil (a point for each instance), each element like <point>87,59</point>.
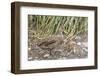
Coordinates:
<point>56,48</point>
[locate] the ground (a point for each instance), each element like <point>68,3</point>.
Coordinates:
<point>56,47</point>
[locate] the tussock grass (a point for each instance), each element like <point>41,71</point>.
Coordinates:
<point>67,26</point>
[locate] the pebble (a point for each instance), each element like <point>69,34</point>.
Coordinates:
<point>79,43</point>
<point>85,49</point>
<point>46,55</point>
<point>29,48</point>
<point>30,58</point>
<point>78,38</point>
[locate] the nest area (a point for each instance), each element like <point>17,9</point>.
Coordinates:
<point>57,37</point>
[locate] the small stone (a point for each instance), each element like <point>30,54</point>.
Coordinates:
<point>46,55</point>
<point>29,48</point>
<point>85,44</point>
<point>85,49</point>
<point>78,37</point>
<point>79,43</point>
<point>36,57</point>
<point>59,50</point>
<point>30,58</point>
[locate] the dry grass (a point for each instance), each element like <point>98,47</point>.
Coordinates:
<point>68,26</point>
<point>53,37</point>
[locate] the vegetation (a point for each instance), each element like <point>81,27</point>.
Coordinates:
<point>68,26</point>
<point>54,37</point>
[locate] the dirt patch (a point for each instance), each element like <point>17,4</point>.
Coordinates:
<point>56,48</point>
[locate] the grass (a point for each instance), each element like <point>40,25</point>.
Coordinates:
<point>67,26</point>
<point>57,37</point>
